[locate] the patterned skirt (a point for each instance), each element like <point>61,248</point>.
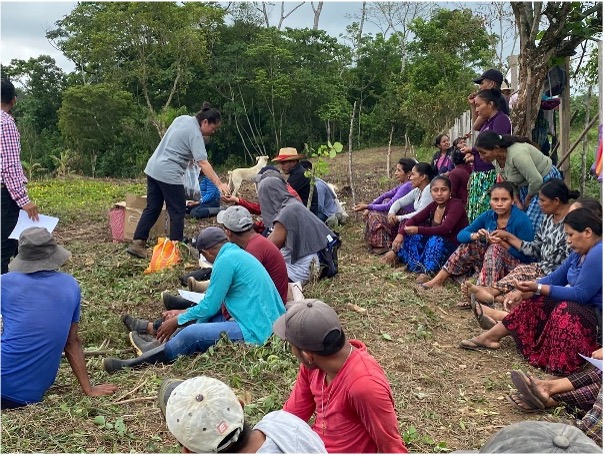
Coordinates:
<point>533,210</point>
<point>490,262</point>
<point>425,254</point>
<point>523,272</point>
<point>479,185</point>
<point>551,334</point>
<point>379,233</point>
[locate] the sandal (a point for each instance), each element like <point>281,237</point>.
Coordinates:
<point>485,322</point>
<point>522,404</point>
<point>463,305</point>
<point>523,385</point>
<point>472,344</point>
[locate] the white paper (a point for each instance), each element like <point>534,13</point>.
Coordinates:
<point>48,222</point>
<point>191,296</point>
<point>598,363</point>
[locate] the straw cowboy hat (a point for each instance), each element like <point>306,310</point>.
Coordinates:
<point>288,154</point>
<point>38,251</point>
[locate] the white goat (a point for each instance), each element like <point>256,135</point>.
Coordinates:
<point>341,213</point>
<point>236,176</point>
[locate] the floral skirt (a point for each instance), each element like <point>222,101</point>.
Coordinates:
<point>425,254</point>
<point>490,262</point>
<point>534,212</point>
<point>550,334</point>
<point>379,233</point>
<point>479,185</point>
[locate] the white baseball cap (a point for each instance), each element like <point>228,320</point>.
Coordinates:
<point>204,415</point>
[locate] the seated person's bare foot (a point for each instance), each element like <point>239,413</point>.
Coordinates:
<point>390,258</point>
<point>540,389</point>
<point>482,293</point>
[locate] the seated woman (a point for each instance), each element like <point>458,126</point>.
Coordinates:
<point>379,232</point>
<point>419,197</point>
<point>426,240</point>
<point>519,161</point>
<point>461,172</point>
<point>580,393</point>
<point>562,318</point>
<point>549,247</point>
<point>210,200</point>
<point>442,162</point>
<point>297,232</point>
<point>480,251</point>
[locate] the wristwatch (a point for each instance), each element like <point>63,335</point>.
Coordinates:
<point>539,290</point>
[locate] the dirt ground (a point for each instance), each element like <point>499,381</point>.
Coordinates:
<point>447,398</point>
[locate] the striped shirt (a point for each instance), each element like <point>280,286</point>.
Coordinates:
<point>12,175</point>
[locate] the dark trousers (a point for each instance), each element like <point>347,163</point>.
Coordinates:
<point>157,194</point>
<point>8,221</point>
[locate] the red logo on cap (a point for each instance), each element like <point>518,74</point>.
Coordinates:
<point>222,427</point>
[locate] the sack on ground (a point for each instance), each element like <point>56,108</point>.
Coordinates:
<point>328,257</point>
<point>165,255</point>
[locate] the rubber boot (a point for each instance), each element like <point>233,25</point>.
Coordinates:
<point>137,248</point>
<point>156,355</point>
<point>199,275</point>
<point>197,286</point>
<point>175,302</point>
<point>135,324</point>
<point>143,343</point>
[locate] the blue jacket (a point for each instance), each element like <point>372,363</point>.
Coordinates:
<point>518,224</point>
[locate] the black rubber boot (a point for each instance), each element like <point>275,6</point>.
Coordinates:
<point>175,302</point>
<point>157,355</point>
<point>143,343</point>
<point>135,324</point>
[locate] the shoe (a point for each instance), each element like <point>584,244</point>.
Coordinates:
<point>175,302</point>
<point>522,404</point>
<point>134,324</point>
<point>142,343</point>
<point>199,275</point>
<point>485,322</point>
<point>137,248</point>
<point>166,389</point>
<point>197,286</point>
<point>157,355</point>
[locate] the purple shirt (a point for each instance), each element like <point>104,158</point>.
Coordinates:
<point>499,123</point>
<point>394,194</point>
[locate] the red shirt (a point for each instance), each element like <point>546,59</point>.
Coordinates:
<point>357,408</point>
<point>453,221</point>
<point>272,260</point>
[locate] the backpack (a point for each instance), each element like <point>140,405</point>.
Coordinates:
<point>556,81</point>
<point>328,257</point>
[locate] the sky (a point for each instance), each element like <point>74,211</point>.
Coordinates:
<point>24,24</point>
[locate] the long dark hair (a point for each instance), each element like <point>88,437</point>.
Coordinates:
<point>443,178</point>
<point>407,164</point>
<point>490,96</point>
<point>212,115</point>
<point>592,204</point>
<point>424,168</point>
<point>438,139</point>
<point>583,218</point>
<point>506,185</point>
<point>557,189</point>
<point>488,139</point>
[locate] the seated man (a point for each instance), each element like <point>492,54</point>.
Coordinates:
<point>210,202</point>
<point>238,281</point>
<point>338,382</point>
<point>289,161</point>
<point>205,416</point>
<point>40,310</point>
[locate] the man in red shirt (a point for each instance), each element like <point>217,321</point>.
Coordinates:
<point>339,382</point>
<point>238,226</point>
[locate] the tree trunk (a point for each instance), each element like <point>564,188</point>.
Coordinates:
<point>585,142</point>
<point>316,14</point>
<point>351,154</point>
<point>389,151</point>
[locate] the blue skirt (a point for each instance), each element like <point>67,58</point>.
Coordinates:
<point>425,253</point>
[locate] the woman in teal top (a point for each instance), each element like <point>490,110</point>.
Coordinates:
<point>519,161</point>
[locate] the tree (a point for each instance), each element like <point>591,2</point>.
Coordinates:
<point>91,119</point>
<point>443,58</point>
<point>149,47</point>
<point>548,32</point>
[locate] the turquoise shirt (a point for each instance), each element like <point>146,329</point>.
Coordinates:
<point>240,281</point>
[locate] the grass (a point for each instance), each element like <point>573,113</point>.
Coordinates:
<point>446,398</point>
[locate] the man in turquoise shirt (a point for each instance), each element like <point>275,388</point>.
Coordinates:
<point>239,281</point>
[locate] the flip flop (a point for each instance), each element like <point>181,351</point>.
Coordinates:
<point>485,322</point>
<point>463,305</point>
<point>472,344</point>
<point>522,383</point>
<point>536,392</point>
<point>521,403</point>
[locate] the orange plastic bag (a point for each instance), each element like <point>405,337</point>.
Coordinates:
<point>165,255</point>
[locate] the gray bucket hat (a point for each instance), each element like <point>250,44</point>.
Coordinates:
<point>38,251</point>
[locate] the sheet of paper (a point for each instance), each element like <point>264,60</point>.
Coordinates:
<point>191,296</point>
<point>49,222</point>
<point>598,363</point>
